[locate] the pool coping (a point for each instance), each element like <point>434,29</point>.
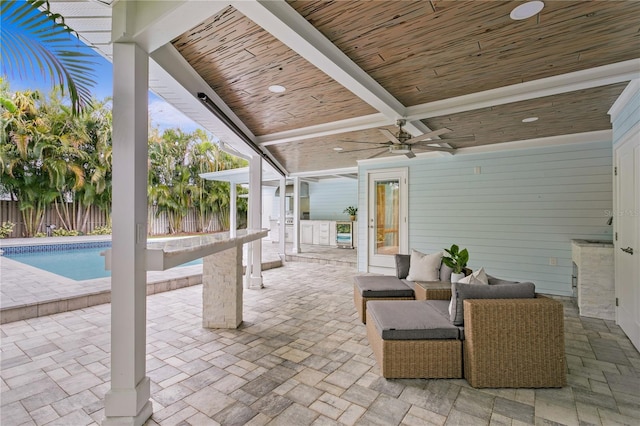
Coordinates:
<point>24,311</point>
<point>76,297</point>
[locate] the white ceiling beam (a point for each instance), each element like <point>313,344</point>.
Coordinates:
<point>580,80</point>
<point>570,82</point>
<point>326,129</point>
<point>159,22</point>
<point>292,29</point>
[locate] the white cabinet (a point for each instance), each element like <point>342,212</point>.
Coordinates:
<point>288,233</point>
<point>319,232</point>
<point>306,233</point>
<point>324,236</point>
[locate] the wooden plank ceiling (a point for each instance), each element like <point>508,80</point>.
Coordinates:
<point>420,52</point>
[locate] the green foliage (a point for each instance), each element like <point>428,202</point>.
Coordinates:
<point>61,232</point>
<point>40,235</point>
<point>351,210</point>
<point>48,155</point>
<point>457,259</point>
<point>6,229</point>
<point>176,160</point>
<point>38,41</point>
<point>101,230</point>
<point>51,157</point>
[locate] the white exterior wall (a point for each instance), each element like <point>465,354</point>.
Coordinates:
<point>517,216</point>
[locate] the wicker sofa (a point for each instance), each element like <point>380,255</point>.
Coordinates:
<point>497,335</point>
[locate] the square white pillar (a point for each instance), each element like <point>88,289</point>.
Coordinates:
<point>128,401</point>
<point>254,271</point>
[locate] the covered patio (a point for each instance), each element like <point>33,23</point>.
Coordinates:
<point>301,357</point>
<point>295,87</point>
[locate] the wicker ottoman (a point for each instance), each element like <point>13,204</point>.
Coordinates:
<point>378,287</point>
<point>414,340</point>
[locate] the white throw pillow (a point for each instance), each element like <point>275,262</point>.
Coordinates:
<point>424,267</point>
<point>478,277</point>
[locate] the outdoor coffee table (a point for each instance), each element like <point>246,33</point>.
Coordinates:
<point>432,290</point>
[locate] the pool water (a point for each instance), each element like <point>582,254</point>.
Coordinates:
<point>78,263</point>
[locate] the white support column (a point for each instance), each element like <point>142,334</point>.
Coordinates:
<point>233,209</point>
<point>296,215</point>
<point>255,219</point>
<point>283,216</point>
<point>128,401</point>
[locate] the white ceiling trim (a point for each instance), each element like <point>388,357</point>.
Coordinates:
<point>326,129</point>
<point>595,77</point>
<point>159,22</point>
<point>571,82</point>
<point>330,172</point>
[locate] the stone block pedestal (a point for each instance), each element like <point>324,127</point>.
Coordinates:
<point>222,289</point>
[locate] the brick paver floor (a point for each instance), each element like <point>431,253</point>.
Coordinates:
<point>300,358</point>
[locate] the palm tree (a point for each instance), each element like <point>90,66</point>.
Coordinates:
<point>36,41</point>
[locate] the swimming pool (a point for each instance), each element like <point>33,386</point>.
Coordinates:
<point>77,261</point>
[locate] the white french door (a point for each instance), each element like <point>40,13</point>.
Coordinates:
<point>626,241</point>
<point>387,222</point>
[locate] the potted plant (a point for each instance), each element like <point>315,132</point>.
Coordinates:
<point>457,260</point>
<point>351,211</point>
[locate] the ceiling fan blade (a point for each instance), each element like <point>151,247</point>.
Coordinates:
<point>377,154</point>
<point>428,135</point>
<point>443,141</point>
<point>433,148</point>
<point>372,143</point>
<point>357,150</point>
<point>389,135</point>
<point>410,154</point>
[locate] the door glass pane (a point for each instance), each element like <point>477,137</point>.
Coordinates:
<point>387,216</point>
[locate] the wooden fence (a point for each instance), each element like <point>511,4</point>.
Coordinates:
<point>157,224</point>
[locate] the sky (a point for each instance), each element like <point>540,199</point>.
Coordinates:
<point>162,114</point>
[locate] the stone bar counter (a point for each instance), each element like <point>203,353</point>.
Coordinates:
<point>221,270</point>
<point>595,286</point>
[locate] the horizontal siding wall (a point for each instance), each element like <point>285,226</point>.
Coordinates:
<point>523,208</point>
<point>329,197</point>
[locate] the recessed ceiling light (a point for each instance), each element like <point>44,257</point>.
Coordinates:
<point>529,119</point>
<point>526,10</point>
<point>277,89</point>
<point>337,148</point>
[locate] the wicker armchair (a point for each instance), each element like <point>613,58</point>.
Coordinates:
<point>514,343</point>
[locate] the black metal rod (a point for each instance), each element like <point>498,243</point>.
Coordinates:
<point>237,130</point>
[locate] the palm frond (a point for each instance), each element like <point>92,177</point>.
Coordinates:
<point>36,40</point>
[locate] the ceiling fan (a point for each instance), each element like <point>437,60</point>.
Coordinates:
<point>403,142</point>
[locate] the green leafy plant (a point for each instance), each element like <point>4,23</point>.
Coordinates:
<point>457,259</point>
<point>39,41</point>
<point>351,210</point>
<point>61,232</point>
<point>6,229</point>
<point>101,230</point>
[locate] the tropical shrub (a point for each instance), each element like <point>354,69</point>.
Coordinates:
<point>6,229</point>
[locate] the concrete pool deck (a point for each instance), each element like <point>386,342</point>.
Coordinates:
<point>29,292</point>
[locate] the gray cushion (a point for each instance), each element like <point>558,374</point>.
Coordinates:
<point>382,286</point>
<point>403,262</point>
<point>460,292</point>
<point>439,306</point>
<point>410,320</point>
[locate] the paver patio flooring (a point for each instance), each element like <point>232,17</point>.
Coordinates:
<point>301,357</point>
